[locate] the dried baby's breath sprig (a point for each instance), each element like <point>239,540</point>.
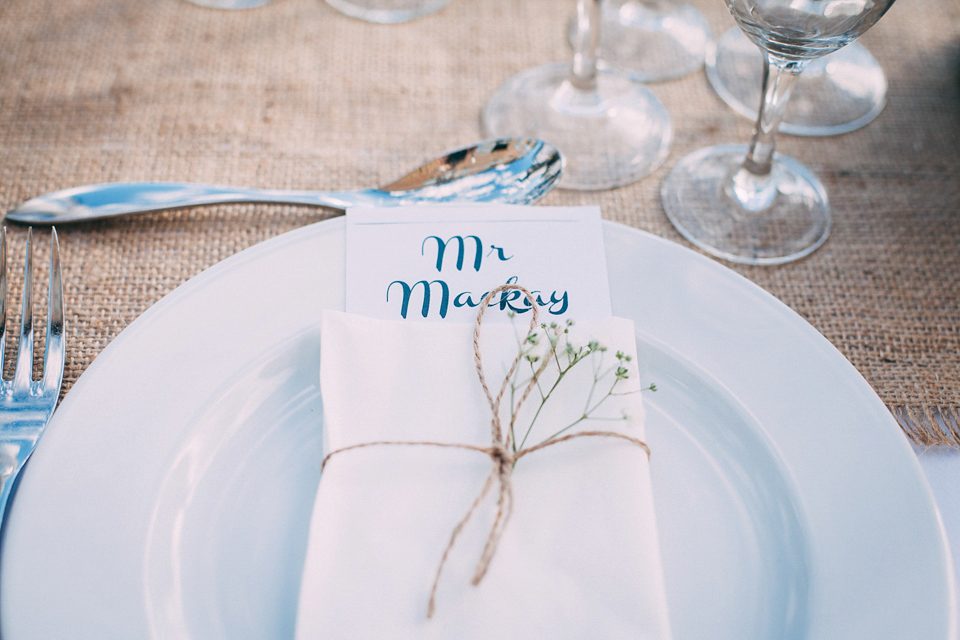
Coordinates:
<point>554,341</point>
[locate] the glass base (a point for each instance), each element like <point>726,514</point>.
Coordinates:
<point>835,94</point>
<point>698,199</point>
<point>610,137</point>
<point>230,4</point>
<point>651,40</point>
<point>387,11</point>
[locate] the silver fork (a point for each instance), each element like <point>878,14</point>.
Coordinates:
<point>27,404</point>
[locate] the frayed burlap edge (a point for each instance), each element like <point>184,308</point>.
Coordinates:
<point>929,426</point>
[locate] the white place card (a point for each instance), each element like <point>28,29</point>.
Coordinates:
<point>436,263</point>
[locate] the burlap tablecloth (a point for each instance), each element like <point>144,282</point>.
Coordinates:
<point>296,95</point>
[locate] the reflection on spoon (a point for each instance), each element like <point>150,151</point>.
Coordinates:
<point>511,170</point>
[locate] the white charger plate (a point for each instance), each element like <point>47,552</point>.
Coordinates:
<point>171,495</point>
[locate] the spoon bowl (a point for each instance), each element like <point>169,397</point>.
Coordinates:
<point>509,170</point>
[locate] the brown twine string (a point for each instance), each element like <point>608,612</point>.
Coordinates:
<point>499,451</point>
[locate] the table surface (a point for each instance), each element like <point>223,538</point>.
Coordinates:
<point>296,95</point>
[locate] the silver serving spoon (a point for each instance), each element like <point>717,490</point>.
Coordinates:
<point>513,170</point>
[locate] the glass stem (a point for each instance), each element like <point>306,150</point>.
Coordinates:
<point>585,42</point>
<point>753,185</point>
<point>578,95</point>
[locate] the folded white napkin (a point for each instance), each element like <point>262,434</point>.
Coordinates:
<point>578,559</point>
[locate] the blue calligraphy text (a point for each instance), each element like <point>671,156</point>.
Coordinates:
<point>434,296</point>
<point>500,255</point>
<point>461,250</point>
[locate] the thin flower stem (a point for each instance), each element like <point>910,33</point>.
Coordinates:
<point>593,387</point>
<point>558,339</point>
<point>513,410</point>
<point>567,428</point>
<point>586,414</point>
<point>540,408</point>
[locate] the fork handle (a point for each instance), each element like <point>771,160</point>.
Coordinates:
<point>13,455</point>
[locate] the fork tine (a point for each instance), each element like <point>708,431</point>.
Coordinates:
<point>3,295</point>
<point>54,355</point>
<point>23,374</point>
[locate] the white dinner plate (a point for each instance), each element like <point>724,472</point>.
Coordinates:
<point>171,495</point>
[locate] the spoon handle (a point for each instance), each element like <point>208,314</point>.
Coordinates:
<point>93,202</point>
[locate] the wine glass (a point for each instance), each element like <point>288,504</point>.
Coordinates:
<point>835,94</point>
<point>610,128</point>
<point>745,203</point>
<point>231,4</point>
<point>653,40</point>
<point>387,11</point>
